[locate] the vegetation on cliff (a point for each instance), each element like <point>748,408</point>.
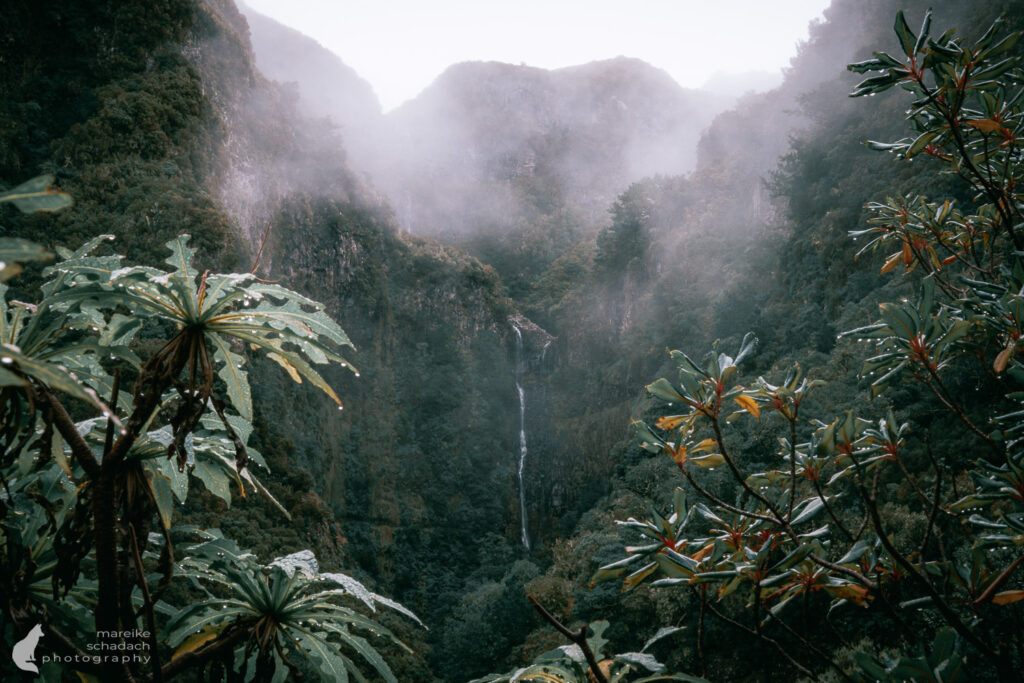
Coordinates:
<point>158,130</point>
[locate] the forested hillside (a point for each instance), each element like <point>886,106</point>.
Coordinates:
<point>511,255</point>
<point>164,126</point>
<point>748,243</point>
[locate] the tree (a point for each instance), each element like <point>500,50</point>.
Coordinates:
<point>815,538</point>
<point>98,442</point>
<point>622,246</point>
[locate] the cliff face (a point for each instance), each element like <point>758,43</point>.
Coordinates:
<point>323,85</point>
<point>160,124</point>
<point>103,96</point>
<point>517,165</point>
<point>421,463</point>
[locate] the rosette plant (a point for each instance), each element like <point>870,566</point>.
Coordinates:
<point>119,386</point>
<point>207,315</point>
<point>277,611</point>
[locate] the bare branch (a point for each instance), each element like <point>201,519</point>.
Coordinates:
<point>578,637</point>
<point>66,426</point>
<point>148,604</point>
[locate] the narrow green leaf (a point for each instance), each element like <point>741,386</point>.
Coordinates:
<point>37,195</point>
<point>922,36</point>
<point>812,508</point>
<point>323,653</point>
<point>235,379</point>
<point>905,35</point>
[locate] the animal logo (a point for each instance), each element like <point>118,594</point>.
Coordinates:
<point>24,651</point>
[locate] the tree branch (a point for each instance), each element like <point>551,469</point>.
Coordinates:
<point>951,617</point>
<point>935,499</point>
<point>578,637</point>
<point>810,646</point>
<point>66,426</point>
<point>944,397</point>
<point>828,508</point>
<point>1003,577</point>
<point>821,562</point>
<point>771,641</point>
<point>147,602</point>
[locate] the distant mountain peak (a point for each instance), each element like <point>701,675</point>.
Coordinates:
<point>485,133</point>
<point>327,85</point>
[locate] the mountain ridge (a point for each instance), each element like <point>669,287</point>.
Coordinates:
<point>461,139</point>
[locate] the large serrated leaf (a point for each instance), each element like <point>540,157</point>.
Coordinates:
<point>191,620</point>
<point>120,331</point>
<point>181,256</point>
<point>643,659</point>
<point>663,632</point>
<point>365,651</point>
<point>50,375</point>
<point>596,639</point>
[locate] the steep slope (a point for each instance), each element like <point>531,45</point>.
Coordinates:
<point>164,125</point>
<point>104,97</point>
<point>696,260</point>
<point>324,86</point>
<point>511,163</point>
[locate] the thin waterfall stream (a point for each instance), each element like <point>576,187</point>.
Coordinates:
<point>522,433</point>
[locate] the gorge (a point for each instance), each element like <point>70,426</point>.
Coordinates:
<point>512,253</point>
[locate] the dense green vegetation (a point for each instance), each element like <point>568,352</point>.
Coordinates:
<point>158,124</point>
<point>88,502</point>
<point>793,279</point>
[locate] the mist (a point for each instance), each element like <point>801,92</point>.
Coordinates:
<point>460,158</point>
<point>594,192</point>
<point>511,251</point>
<point>514,164</point>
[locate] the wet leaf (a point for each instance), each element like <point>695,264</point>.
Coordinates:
<point>890,263</point>
<point>196,641</point>
<point>670,422</point>
<point>708,461</point>
<point>37,195</point>
<point>1003,358</point>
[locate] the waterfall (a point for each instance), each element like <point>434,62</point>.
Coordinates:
<point>522,432</point>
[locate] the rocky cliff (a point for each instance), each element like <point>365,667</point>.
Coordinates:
<point>158,121</point>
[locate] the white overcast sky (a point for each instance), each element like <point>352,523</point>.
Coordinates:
<point>401,46</point>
